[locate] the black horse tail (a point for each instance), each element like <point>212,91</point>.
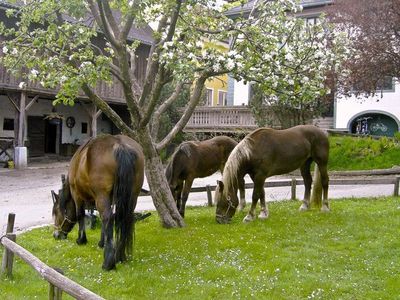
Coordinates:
<point>124,200</point>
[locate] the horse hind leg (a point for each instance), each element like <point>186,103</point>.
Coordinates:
<point>109,250</point>
<point>306,174</point>
<point>325,185</point>
<point>185,194</point>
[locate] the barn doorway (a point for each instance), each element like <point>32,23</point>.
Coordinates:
<point>44,136</point>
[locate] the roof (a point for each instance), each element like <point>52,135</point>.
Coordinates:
<point>143,34</point>
<point>246,8</point>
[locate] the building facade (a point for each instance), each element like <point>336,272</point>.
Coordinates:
<point>29,119</point>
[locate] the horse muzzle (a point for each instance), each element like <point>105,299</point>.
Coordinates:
<point>222,219</point>
<point>59,235</point>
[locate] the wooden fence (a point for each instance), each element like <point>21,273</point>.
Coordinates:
<point>59,283</point>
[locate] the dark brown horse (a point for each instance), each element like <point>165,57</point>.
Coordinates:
<point>195,159</point>
<point>266,152</point>
<point>105,172</point>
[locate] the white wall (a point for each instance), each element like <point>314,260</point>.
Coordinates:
<point>44,107</point>
<point>347,108</point>
<point>241,94</point>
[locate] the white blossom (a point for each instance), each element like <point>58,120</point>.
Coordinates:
<point>5,49</point>
<point>34,73</point>
<point>22,84</point>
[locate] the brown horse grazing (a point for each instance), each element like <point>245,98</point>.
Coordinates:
<point>106,171</point>
<point>195,159</point>
<point>266,152</point>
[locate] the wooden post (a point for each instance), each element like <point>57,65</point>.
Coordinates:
<point>21,120</point>
<point>8,256</point>
<point>396,186</point>
<point>293,189</point>
<point>54,292</point>
<point>209,195</point>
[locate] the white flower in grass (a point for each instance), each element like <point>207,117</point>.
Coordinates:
<point>22,84</point>
<point>5,49</point>
<point>14,51</point>
<point>34,73</point>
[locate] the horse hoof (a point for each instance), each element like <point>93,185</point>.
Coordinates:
<point>248,219</point>
<point>241,207</point>
<point>325,208</point>
<point>81,241</point>
<point>108,267</point>
<point>263,215</point>
<point>303,207</point>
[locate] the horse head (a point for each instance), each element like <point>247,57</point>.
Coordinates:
<point>63,212</point>
<point>227,202</point>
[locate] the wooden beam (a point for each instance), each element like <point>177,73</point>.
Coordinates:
<point>28,106</point>
<point>67,285</point>
<point>13,102</point>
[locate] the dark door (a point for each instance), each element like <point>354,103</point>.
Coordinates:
<point>36,135</point>
<point>50,136</point>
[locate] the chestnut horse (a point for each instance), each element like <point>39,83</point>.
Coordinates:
<point>105,172</point>
<point>195,159</point>
<point>266,152</point>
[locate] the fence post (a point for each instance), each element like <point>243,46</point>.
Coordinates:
<point>8,256</point>
<point>293,189</point>
<point>54,292</point>
<point>396,186</point>
<point>209,195</point>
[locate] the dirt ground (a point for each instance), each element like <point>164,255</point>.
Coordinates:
<point>27,193</point>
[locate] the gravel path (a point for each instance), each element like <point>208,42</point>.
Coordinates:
<point>27,193</point>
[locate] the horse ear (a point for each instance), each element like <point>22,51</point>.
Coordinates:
<point>54,197</point>
<point>63,178</point>
<point>220,185</point>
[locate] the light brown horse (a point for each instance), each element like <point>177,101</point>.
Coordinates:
<point>105,172</point>
<point>266,152</point>
<point>195,159</point>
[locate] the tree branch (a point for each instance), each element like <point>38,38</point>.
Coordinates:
<point>162,108</point>
<point>194,100</point>
<point>107,110</point>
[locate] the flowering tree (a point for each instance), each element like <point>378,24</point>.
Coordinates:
<point>55,45</point>
<point>296,59</point>
<point>374,30</point>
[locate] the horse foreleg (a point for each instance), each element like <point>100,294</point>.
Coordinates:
<point>109,250</point>
<point>80,214</point>
<point>185,194</point>
<point>242,201</point>
<point>264,208</point>
<point>178,194</point>
<point>257,192</point>
<point>101,242</point>
<point>306,174</point>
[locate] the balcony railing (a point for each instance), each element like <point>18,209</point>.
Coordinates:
<point>110,92</point>
<point>235,118</point>
<point>226,118</point>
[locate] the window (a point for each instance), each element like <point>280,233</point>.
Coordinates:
<point>8,124</point>
<point>222,98</point>
<point>209,97</point>
<point>385,84</point>
<point>84,127</point>
<point>312,20</point>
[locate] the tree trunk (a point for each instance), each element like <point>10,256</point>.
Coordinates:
<point>159,187</point>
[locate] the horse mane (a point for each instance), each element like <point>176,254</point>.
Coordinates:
<point>184,148</point>
<point>239,155</point>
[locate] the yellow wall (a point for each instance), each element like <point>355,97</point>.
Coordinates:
<point>218,83</point>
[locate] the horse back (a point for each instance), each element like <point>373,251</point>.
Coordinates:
<point>282,151</point>
<point>93,167</point>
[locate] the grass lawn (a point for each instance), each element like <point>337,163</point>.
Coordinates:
<point>362,153</point>
<point>353,252</point>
